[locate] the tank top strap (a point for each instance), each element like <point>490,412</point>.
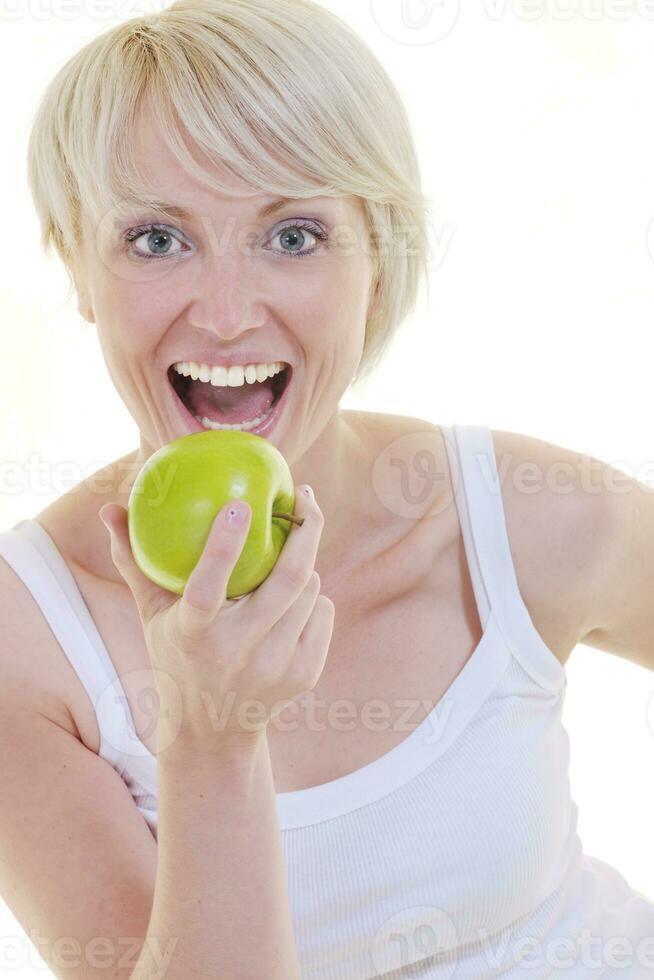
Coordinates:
<point>33,556</point>
<point>478,497</point>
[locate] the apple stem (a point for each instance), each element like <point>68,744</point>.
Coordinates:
<point>289,517</point>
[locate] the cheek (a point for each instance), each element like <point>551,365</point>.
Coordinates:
<point>342,291</point>
<point>343,310</point>
<point>134,318</point>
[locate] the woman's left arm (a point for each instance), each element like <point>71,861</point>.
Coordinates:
<point>623,600</point>
<point>582,532</point>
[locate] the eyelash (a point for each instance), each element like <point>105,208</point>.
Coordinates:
<point>134,233</point>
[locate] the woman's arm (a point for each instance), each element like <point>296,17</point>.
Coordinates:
<point>623,601</point>
<point>582,535</point>
<point>220,904</point>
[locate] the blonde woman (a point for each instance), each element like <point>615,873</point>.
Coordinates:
<point>233,190</point>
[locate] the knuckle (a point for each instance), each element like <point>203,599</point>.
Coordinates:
<point>173,633</point>
<point>294,575</point>
<point>220,548</point>
<point>312,680</point>
<point>197,599</point>
<point>312,510</point>
<point>192,621</point>
<point>318,516</point>
<point>307,676</point>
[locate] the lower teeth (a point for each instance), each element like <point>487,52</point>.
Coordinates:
<point>251,424</point>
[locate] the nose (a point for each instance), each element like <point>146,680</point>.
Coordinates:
<point>227,297</point>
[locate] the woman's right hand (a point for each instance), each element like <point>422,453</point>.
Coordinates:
<point>225,667</point>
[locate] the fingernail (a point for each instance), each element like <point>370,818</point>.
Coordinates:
<point>307,491</point>
<point>237,512</point>
<point>105,523</point>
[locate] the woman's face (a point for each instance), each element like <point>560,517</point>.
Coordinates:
<point>227,281</point>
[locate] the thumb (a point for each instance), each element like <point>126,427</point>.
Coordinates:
<point>149,597</point>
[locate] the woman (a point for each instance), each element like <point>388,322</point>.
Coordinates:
<point>430,832</point>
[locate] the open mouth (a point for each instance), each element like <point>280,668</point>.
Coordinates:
<point>247,406</point>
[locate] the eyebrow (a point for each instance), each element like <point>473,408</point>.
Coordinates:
<point>176,211</point>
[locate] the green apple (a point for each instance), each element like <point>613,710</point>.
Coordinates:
<point>181,488</point>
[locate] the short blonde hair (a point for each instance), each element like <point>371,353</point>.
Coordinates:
<point>281,93</point>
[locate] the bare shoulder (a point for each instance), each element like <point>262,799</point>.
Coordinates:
<point>556,518</point>
<point>32,664</point>
<point>378,430</point>
<point>32,661</point>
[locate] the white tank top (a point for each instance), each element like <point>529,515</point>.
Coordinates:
<point>455,856</point>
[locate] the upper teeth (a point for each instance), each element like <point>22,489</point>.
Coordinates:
<point>233,376</point>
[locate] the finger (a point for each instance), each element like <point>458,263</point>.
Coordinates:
<point>313,644</point>
<point>286,632</point>
<point>288,578</point>
<point>206,587</point>
<point>149,597</point>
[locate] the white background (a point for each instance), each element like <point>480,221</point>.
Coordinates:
<point>534,130</point>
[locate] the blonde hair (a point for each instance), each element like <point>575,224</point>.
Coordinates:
<point>281,93</point>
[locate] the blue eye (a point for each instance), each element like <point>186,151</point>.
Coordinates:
<point>153,233</point>
<point>302,226</point>
<point>156,233</point>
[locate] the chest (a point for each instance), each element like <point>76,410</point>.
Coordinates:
<point>405,625</point>
<point>391,661</point>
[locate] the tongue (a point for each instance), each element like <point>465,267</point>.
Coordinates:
<point>230,404</point>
